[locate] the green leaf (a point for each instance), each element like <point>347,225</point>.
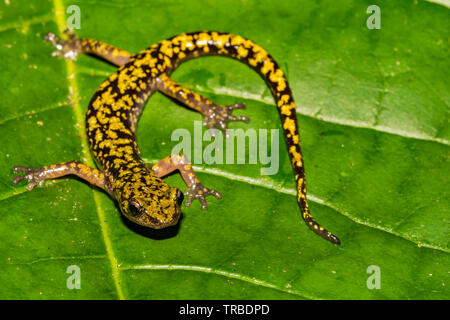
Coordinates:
<point>373,111</point>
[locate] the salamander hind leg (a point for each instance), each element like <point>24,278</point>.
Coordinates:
<point>73,46</point>
<point>66,48</point>
<point>219,116</point>
<point>195,189</point>
<point>214,116</point>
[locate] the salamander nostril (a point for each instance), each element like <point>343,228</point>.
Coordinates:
<point>180,197</point>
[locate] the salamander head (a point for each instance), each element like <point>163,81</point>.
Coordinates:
<point>149,201</point>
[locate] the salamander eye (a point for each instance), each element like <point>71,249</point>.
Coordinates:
<point>180,197</point>
<point>134,209</point>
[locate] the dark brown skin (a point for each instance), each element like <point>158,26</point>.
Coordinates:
<point>115,108</point>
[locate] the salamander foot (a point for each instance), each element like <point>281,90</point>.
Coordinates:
<point>67,49</point>
<point>219,116</point>
<point>198,191</point>
<point>32,175</point>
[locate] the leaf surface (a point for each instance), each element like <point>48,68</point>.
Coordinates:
<point>373,111</point>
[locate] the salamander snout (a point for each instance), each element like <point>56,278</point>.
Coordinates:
<point>155,212</point>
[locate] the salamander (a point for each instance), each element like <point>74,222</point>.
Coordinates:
<point>114,110</point>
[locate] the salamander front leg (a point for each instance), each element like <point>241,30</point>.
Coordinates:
<point>214,116</point>
<point>195,189</point>
<point>37,176</point>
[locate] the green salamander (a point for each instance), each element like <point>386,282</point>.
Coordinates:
<point>114,110</point>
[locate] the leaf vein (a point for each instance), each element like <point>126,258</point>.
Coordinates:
<point>32,113</point>
<point>26,23</point>
<point>231,275</point>
<point>292,192</point>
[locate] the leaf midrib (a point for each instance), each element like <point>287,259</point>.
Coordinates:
<point>79,116</point>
